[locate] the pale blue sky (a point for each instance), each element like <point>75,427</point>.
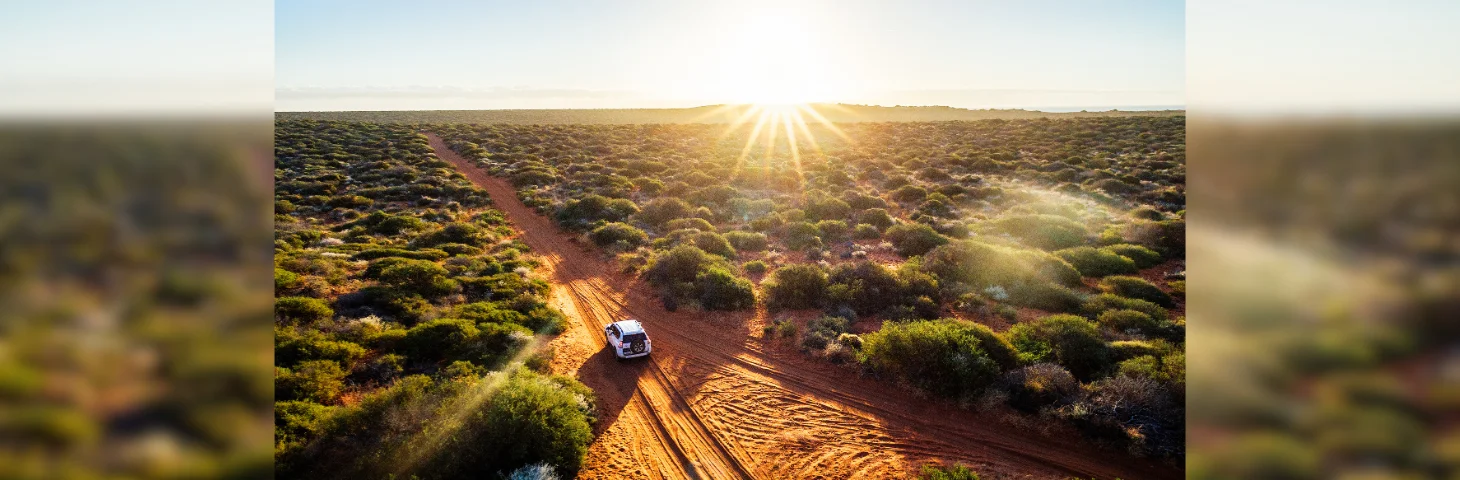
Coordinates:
<point>641,53</point>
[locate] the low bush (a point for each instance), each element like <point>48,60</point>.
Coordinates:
<point>455,232</point>
<point>1127,349</point>
<point>284,279</point>
<point>868,287</point>
<point>533,419</point>
<point>755,267</point>
<point>796,286</point>
<point>721,290</point>
<point>1046,296</point>
<point>1069,340</point>
<point>1041,385</point>
<point>944,357</point>
<point>865,231</point>
<point>747,241</point>
<point>301,309</point>
<point>417,254</point>
<point>451,339</point>
<point>618,235</point>
<point>695,223</point>
<point>1050,232</point>
<point>801,235</point>
<point>1127,320</point>
<point>912,239</point>
<point>1098,304</point>
<point>833,231</point>
<point>405,307</point>
<point>661,210</point>
<point>1094,262</point>
<point>1137,288</point>
<point>686,272</point>
<point>591,209</point>
<point>318,381</point>
<point>425,278</point>
<point>1142,256</point>
<point>292,347</point>
<point>876,217</point>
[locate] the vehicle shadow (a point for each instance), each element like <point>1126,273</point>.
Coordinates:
<point>614,381</point>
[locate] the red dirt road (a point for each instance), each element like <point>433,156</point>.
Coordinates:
<point>717,401</point>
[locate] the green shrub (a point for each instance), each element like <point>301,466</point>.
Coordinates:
<point>1137,288</point>
<point>909,194</point>
<point>801,235</point>
<point>661,210</point>
<point>1127,349</point>
<point>297,422</point>
<point>827,208</point>
<point>459,249</point>
<point>301,309</point>
<point>876,217</point>
<point>455,232</point>
<point>291,348</point>
<point>866,231</point>
<point>1040,385</point>
<point>405,307</point>
<point>618,235</point>
<point>319,381</point>
<point>1050,232</point>
<point>421,277</point>
<point>678,265</point>
<point>747,241</point>
<point>833,231</point>
<point>1049,297</point>
<point>755,267</point>
<point>686,272</point>
<point>1098,304</point>
<point>721,290</point>
<point>419,254</point>
<point>533,419</point>
<point>1142,256</point>
<point>1167,237</point>
<point>1127,320</point>
<point>450,339</point>
<point>1069,340</point>
<point>912,239</point>
<point>695,223</point>
<point>868,287</point>
<point>1093,262</point>
<point>1178,288</point>
<point>284,279</point>
<point>944,357</point>
<point>542,319</point>
<point>712,243</point>
<point>796,286</point>
<point>592,208</point>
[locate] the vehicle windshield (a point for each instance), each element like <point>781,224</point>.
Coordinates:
<point>634,337</point>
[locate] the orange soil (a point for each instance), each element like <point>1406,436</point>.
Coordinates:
<point>716,401</point>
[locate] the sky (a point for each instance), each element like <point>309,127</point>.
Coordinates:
<point>86,58</point>
<point>375,55</point>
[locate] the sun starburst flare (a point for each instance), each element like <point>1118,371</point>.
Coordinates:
<point>771,121</point>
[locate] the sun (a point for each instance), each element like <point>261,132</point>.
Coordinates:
<point>774,57</point>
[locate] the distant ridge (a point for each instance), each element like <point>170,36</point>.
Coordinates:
<point>705,114</point>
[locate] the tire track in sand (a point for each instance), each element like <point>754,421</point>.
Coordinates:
<point>714,402</point>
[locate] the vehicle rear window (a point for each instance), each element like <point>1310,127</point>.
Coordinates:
<point>634,337</point>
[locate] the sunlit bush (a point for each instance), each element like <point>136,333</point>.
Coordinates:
<point>1094,262</point>
<point>1068,340</point>
<point>941,356</point>
<point>796,286</point>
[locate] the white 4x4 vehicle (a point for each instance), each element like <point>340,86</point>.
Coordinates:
<point>627,339</point>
